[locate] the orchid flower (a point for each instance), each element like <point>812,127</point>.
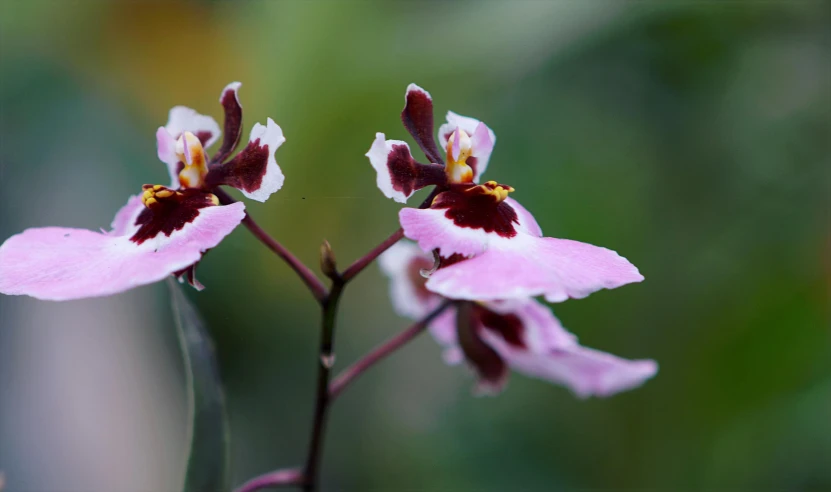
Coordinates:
<point>520,334</point>
<point>165,229</point>
<point>488,247</point>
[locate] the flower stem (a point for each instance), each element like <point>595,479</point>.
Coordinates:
<point>325,362</point>
<point>307,276</point>
<point>278,478</point>
<point>361,263</point>
<point>380,352</point>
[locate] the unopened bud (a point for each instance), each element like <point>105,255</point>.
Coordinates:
<point>328,265</point>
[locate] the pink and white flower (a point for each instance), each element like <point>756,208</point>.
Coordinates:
<point>166,229</point>
<point>489,247</point>
<point>520,334</point>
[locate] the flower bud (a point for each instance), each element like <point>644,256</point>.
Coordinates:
<point>328,265</point>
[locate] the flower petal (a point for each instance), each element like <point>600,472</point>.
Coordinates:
<point>254,171</point>
<point>491,370</point>
<point>56,263</point>
<point>233,121</point>
<point>587,372</point>
<point>402,263</point>
<point>418,119</point>
<point>166,149</point>
<point>183,119</point>
<point>398,174</point>
<point>124,223</point>
<point>482,140</point>
<point>527,222</point>
<point>526,266</point>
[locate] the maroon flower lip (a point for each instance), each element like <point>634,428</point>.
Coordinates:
<point>169,210</point>
<point>479,207</point>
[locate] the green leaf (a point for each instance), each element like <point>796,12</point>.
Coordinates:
<point>208,433</point>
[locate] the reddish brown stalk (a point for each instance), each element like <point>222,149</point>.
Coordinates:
<point>307,276</point>
<point>380,352</point>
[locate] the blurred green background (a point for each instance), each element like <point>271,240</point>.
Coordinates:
<point>693,138</point>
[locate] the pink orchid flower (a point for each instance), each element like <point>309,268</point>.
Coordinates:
<point>488,245</point>
<point>166,229</point>
<point>520,334</point>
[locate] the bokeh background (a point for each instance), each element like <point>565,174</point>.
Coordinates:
<point>692,137</point>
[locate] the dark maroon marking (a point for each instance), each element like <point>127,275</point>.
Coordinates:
<point>233,126</point>
<point>407,175</point>
<point>508,326</point>
<point>170,214</point>
<point>418,120</point>
<point>469,206</point>
<point>203,137</point>
<point>487,363</point>
<point>244,172</point>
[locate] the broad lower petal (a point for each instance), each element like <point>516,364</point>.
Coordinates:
<point>398,174</point>
<point>482,140</point>
<point>183,119</point>
<point>418,119</point>
<point>233,121</point>
<point>56,263</point>
<point>586,372</point>
<point>254,170</point>
<point>527,266</point>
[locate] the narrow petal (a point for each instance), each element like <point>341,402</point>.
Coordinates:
<point>527,266</point>
<point>398,175</point>
<point>482,140</point>
<point>233,121</point>
<point>56,263</point>
<point>183,119</point>
<point>166,148</point>
<point>587,372</point>
<point>402,263</point>
<point>254,171</point>
<point>418,119</point>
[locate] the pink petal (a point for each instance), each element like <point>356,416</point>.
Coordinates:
<point>417,117</point>
<point>527,222</point>
<point>233,121</point>
<point>254,171</point>
<point>526,266</point>
<point>125,219</point>
<point>166,148</point>
<point>585,371</point>
<point>457,145</point>
<point>432,229</point>
<point>401,263</point>
<point>182,119</point>
<point>55,263</point>
<point>398,175</point>
<point>482,145</point>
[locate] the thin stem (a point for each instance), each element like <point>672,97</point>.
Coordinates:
<point>326,360</point>
<point>306,275</point>
<point>279,478</point>
<point>361,263</point>
<point>380,352</point>
<point>357,267</point>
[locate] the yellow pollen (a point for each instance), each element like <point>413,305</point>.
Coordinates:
<point>153,194</point>
<point>214,199</point>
